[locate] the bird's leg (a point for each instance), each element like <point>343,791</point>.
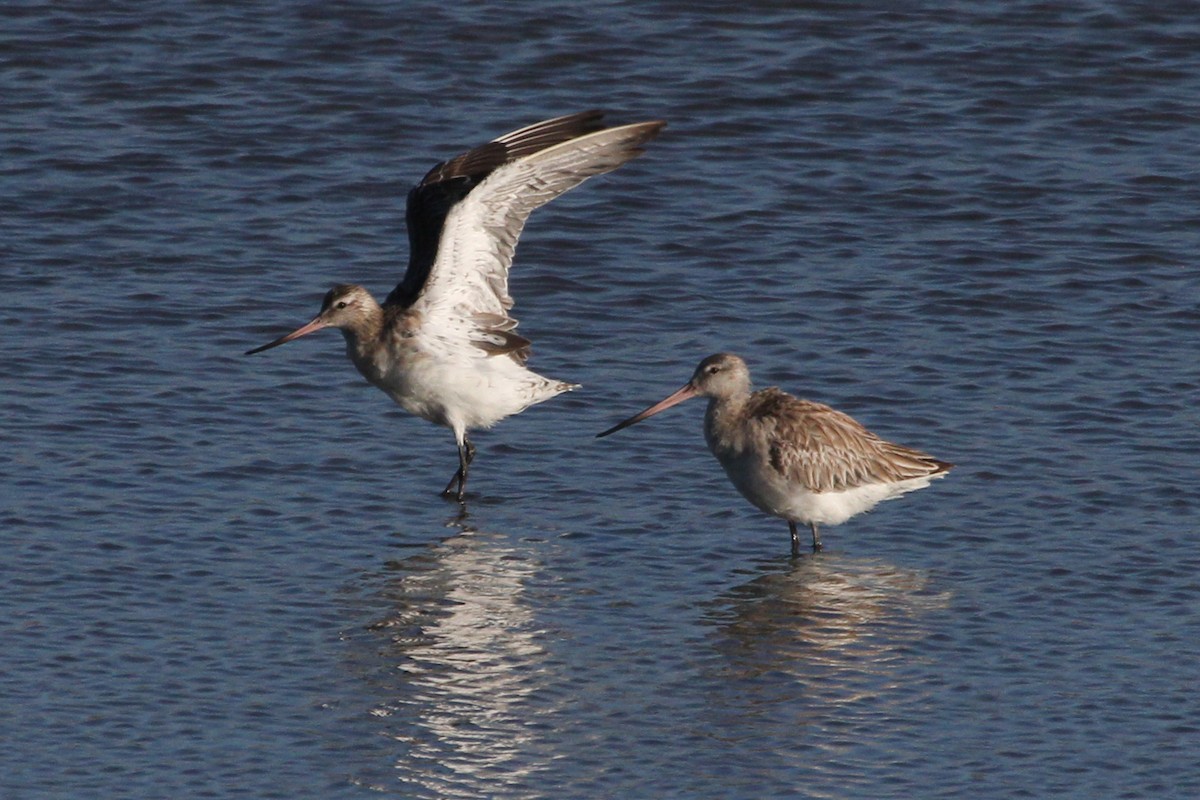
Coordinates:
<point>466,454</point>
<point>816,538</point>
<point>795,539</point>
<point>449,491</point>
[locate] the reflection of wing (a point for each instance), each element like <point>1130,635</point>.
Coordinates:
<point>825,450</point>
<point>465,218</point>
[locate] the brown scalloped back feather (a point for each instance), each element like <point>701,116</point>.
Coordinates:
<point>826,450</point>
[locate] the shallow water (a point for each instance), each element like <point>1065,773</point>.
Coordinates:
<point>971,228</point>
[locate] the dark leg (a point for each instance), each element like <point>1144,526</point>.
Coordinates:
<point>450,491</point>
<point>795,539</point>
<point>816,538</point>
<point>466,454</point>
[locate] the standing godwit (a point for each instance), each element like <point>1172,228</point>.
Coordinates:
<point>443,343</point>
<point>793,458</point>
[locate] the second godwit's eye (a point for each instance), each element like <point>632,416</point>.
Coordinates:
<point>341,304</point>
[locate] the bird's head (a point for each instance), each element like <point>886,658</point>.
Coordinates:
<point>347,306</point>
<point>721,375</point>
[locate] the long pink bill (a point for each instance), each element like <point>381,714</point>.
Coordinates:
<point>686,393</point>
<point>315,325</point>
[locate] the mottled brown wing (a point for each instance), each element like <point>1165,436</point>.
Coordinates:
<point>828,451</point>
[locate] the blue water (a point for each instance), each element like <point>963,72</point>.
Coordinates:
<point>972,227</point>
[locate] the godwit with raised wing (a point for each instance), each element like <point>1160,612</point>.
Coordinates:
<point>443,343</point>
<point>793,458</point>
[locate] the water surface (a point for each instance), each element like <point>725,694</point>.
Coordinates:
<point>973,228</point>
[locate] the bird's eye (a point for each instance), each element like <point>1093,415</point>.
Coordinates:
<point>341,304</point>
<point>713,370</point>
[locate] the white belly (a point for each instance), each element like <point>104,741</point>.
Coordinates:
<point>770,492</point>
<point>464,392</point>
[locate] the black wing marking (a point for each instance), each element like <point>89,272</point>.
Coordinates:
<point>450,181</point>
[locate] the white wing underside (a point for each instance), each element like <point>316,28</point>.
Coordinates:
<point>466,294</point>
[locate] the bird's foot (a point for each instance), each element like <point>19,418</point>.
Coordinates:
<point>457,495</point>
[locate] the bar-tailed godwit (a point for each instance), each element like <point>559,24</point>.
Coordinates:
<point>795,459</point>
<point>443,344</point>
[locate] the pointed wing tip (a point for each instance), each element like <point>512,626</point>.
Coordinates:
<point>638,134</point>
<point>651,127</point>
<point>647,130</point>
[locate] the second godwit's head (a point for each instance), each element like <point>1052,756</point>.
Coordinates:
<point>349,307</point>
<point>720,376</point>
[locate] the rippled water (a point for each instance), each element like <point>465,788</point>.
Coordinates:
<point>973,228</point>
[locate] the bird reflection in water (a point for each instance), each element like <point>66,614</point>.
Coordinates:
<point>835,626</point>
<point>462,656</point>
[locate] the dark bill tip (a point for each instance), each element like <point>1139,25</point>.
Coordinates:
<point>303,330</point>
<point>686,393</point>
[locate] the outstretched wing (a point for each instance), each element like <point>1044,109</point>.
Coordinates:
<point>826,450</point>
<point>466,215</point>
<point>450,181</point>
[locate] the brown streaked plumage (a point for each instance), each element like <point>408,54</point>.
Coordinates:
<point>443,344</point>
<point>793,458</point>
